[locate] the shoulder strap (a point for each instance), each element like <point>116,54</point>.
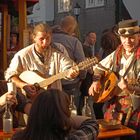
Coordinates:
<point>127,70</point>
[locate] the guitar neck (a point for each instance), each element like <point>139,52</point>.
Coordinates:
<point>36,77</point>
<point>53,78</point>
<point>84,65</point>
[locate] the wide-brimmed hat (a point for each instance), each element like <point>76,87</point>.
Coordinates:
<point>127,28</point>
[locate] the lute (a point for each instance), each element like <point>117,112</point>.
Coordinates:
<point>109,85</point>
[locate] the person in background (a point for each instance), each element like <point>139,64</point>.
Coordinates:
<point>14,42</point>
<point>90,51</point>
<point>89,44</point>
<point>124,106</point>
<point>50,119</point>
<point>109,42</point>
<point>13,46</point>
<point>42,57</point>
<point>18,103</point>
<point>63,33</point>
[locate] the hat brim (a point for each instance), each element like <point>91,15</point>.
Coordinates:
<point>125,35</point>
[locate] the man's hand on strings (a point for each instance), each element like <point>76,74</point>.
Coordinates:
<point>94,88</point>
<point>73,72</point>
<point>30,90</point>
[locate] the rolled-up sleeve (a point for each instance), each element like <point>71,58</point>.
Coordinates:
<point>14,68</point>
<point>106,62</point>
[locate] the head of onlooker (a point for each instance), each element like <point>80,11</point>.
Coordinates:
<point>68,24</point>
<point>14,42</point>
<point>109,42</point>
<point>89,45</point>
<point>50,119</point>
<point>90,39</point>
<point>49,116</point>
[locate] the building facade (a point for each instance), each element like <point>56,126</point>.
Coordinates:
<point>95,15</point>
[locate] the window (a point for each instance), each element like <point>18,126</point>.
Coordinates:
<point>94,3</point>
<point>63,6</point>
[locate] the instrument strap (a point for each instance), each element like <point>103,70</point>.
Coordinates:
<point>127,70</point>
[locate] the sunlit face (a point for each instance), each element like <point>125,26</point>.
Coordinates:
<point>130,42</point>
<point>42,41</point>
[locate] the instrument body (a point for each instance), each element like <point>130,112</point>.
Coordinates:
<point>32,77</point>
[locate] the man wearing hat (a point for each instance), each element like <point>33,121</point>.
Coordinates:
<point>125,63</point>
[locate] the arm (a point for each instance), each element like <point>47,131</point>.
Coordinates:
<point>18,82</point>
<point>30,89</point>
<point>3,100</point>
<point>73,73</point>
<point>65,64</point>
<point>99,72</point>
<point>15,68</point>
<point>77,121</point>
<point>88,128</point>
<point>8,96</point>
<point>21,62</point>
<point>22,103</point>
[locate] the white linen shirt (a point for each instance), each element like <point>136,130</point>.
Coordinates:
<point>27,59</point>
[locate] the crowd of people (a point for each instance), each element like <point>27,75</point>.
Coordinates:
<point>46,74</point>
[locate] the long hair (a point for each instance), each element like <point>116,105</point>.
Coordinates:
<point>49,118</point>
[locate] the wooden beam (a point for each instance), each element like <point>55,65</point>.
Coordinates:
<point>22,21</point>
<point>4,37</point>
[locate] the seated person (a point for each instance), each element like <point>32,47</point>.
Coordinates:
<point>50,119</point>
<point>18,103</point>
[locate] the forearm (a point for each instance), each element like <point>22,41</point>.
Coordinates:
<point>77,121</point>
<point>88,129</point>
<point>98,74</point>
<point>3,99</point>
<point>19,83</point>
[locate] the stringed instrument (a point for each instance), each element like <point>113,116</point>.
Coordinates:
<point>32,77</point>
<point>109,85</point>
